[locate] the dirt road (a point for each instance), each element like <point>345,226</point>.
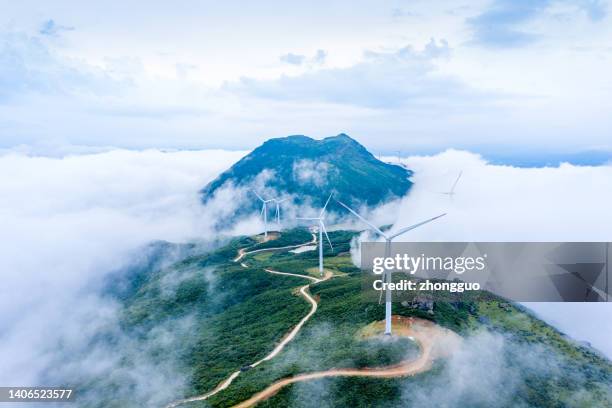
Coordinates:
<point>290,336</point>
<point>433,340</point>
<point>296,329</point>
<point>243,252</point>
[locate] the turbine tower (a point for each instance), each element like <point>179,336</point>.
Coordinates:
<point>388,240</point>
<point>451,192</point>
<point>264,212</point>
<point>320,220</point>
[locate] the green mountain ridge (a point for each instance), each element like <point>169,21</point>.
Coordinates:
<point>308,169</point>
<point>238,313</point>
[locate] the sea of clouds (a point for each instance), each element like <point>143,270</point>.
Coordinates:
<point>503,203</point>
<point>67,222</point>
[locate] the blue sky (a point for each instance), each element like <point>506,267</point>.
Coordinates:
<point>504,78</point>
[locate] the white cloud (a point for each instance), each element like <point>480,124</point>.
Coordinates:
<point>66,223</point>
<point>504,203</point>
<point>69,221</point>
<point>491,369</point>
<point>28,65</point>
<point>51,28</point>
<point>310,172</point>
<point>111,85</point>
<point>294,59</point>
<point>299,59</point>
<point>386,79</point>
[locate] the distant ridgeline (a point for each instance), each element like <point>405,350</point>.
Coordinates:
<point>308,170</point>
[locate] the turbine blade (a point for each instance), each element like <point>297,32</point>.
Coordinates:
<point>325,206</point>
<point>327,236</point>
<point>456,181</point>
<point>258,196</point>
<point>374,227</point>
<point>404,230</point>
<point>263,208</point>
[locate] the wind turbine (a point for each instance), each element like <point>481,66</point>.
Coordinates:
<point>277,215</point>
<point>320,220</point>
<point>264,212</point>
<point>388,239</point>
<point>451,192</point>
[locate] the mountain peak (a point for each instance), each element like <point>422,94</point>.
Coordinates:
<point>307,169</point>
<point>301,139</point>
<point>342,136</point>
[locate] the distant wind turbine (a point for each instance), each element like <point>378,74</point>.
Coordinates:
<point>320,220</point>
<point>264,212</point>
<point>451,192</point>
<point>278,213</point>
<point>388,239</point>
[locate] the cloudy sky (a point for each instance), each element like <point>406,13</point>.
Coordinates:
<point>519,81</point>
<point>129,86</point>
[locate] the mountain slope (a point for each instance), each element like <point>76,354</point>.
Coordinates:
<point>239,314</point>
<point>309,169</point>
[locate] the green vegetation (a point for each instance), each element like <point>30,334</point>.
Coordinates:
<point>342,165</point>
<point>340,392</point>
<point>336,260</point>
<point>241,313</point>
<point>294,236</point>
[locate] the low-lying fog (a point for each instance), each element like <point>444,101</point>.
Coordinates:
<point>68,222</point>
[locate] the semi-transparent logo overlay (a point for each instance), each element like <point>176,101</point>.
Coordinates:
<point>518,271</point>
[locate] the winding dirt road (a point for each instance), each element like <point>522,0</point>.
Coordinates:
<point>296,329</point>
<point>243,252</point>
<point>290,336</point>
<point>434,342</point>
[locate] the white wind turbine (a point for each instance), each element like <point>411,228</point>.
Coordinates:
<point>320,220</point>
<point>388,239</point>
<point>278,213</point>
<point>451,192</point>
<point>264,212</point>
